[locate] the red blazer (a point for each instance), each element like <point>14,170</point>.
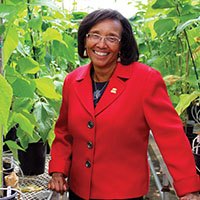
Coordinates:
<point>103,150</point>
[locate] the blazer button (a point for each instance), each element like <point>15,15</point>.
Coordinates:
<point>90,124</point>
<point>88,164</point>
<point>90,145</point>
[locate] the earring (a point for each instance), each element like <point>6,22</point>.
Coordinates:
<point>118,59</point>
<point>85,53</point>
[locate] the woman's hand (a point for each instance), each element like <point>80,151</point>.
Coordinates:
<point>58,183</point>
<point>191,196</point>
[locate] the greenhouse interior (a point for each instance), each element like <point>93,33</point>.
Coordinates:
<point>44,102</point>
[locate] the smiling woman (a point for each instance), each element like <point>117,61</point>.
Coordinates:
<point>103,52</point>
<point>109,107</point>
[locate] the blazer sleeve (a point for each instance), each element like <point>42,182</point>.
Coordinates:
<point>62,145</point>
<point>169,135</point>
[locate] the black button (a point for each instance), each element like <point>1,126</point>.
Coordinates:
<point>88,164</point>
<point>90,145</point>
<point>90,124</point>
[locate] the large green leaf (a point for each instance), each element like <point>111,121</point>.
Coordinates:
<point>51,135</point>
<point>28,65</point>
<point>149,25</point>
<point>55,104</point>
<point>24,123</point>
<point>10,43</point>
<point>5,101</point>
<point>60,49</point>
<point>51,34</point>
<point>25,138</point>
<point>30,116</point>
<point>23,88</point>
<point>160,4</point>
<point>70,49</point>
<point>22,103</point>
<point>13,146</point>
<point>11,74</point>
<point>181,27</point>
<point>185,101</point>
<point>164,25</point>
<point>45,115</point>
<point>7,11</point>
<point>46,87</point>
<point>36,23</point>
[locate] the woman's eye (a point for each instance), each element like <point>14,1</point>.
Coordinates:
<point>111,39</point>
<point>96,36</point>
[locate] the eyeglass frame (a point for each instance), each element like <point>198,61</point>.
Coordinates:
<point>104,37</point>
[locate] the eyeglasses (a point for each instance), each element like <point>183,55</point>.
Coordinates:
<point>110,40</point>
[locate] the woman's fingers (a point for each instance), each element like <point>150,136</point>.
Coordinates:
<point>58,183</point>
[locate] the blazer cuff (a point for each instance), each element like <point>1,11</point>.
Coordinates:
<point>60,165</point>
<point>187,185</point>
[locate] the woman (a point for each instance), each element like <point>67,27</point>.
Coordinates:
<point>108,109</point>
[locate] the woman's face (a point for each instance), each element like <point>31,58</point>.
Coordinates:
<point>103,43</point>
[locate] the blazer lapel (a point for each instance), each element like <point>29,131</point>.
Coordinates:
<point>116,86</point>
<point>83,88</point>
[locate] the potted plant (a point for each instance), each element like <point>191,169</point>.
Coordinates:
<point>5,103</point>
<point>35,68</point>
<point>5,100</point>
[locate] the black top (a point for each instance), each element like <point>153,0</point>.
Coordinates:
<point>98,90</point>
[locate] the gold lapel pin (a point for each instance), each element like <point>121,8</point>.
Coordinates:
<point>114,90</point>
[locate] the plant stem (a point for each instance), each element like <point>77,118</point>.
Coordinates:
<point>190,50</point>
<point>31,35</point>
<point>193,62</point>
<point>29,16</point>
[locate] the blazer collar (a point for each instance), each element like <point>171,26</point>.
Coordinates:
<point>114,89</point>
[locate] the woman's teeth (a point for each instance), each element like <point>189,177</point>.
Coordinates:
<point>100,53</point>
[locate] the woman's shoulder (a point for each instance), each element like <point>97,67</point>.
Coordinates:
<point>79,72</point>
<point>141,67</point>
<point>143,72</point>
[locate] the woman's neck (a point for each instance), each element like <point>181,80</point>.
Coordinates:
<point>102,74</point>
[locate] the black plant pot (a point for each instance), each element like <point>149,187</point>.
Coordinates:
<point>48,149</point>
<point>32,161</point>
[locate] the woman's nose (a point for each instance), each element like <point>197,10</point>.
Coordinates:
<point>102,42</point>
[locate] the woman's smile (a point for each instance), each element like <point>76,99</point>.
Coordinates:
<point>100,53</point>
<point>103,43</point>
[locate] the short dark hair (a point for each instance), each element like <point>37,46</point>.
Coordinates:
<point>128,51</point>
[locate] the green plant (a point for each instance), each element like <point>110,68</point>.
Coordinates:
<point>5,102</point>
<point>168,37</point>
<point>39,49</point>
